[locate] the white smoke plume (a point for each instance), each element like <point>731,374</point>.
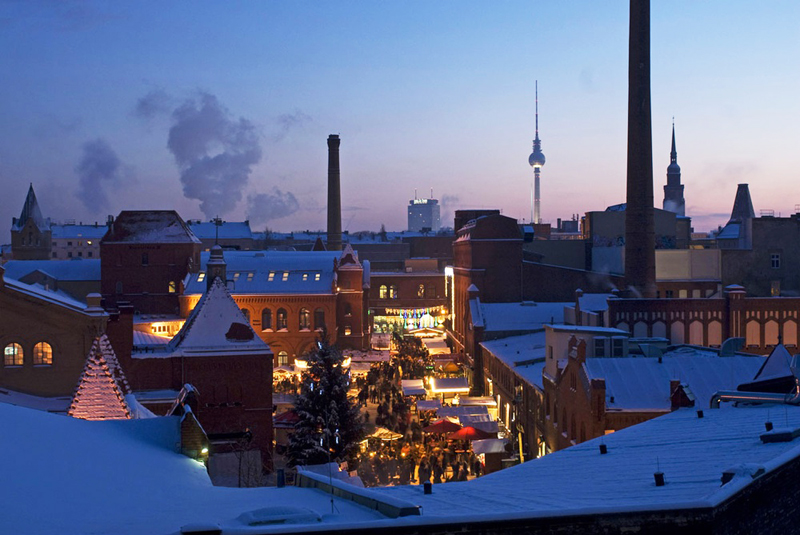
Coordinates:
<point>98,166</point>
<point>264,207</point>
<point>214,151</point>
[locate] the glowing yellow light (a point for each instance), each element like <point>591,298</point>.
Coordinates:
<point>204,451</point>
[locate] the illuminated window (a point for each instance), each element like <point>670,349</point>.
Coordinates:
<point>250,276</point>
<point>421,291</point>
<point>316,276</point>
<point>384,292</point>
<point>173,287</point>
<point>43,354</point>
<point>305,276</point>
<point>283,358</point>
<point>285,276</point>
<point>266,319</point>
<point>347,330</point>
<point>392,292</point>
<point>282,320</point>
<point>305,319</point>
<point>89,242</point>
<point>271,276</point>
<point>12,355</point>
<point>246,314</point>
<point>775,289</point>
<point>319,319</point>
<point>201,276</point>
<point>236,276</point>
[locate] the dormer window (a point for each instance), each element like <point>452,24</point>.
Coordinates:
<point>305,276</point>
<point>250,276</point>
<point>271,276</point>
<point>316,276</point>
<point>236,276</point>
<point>201,276</point>
<point>285,276</point>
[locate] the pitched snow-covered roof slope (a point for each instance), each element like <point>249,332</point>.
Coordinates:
<point>524,355</point>
<point>216,325</point>
<point>100,394</point>
<point>594,302</point>
<point>76,269</point>
<point>50,297</point>
<point>94,232</point>
<point>292,272</point>
<point>150,226</point>
<point>521,316</point>
<point>229,230</point>
<point>12,397</point>
<point>123,477</point>
<point>692,452</point>
<point>777,365</point>
<point>642,383</point>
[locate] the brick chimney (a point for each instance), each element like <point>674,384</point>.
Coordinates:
<point>640,255</point>
<point>334,195</point>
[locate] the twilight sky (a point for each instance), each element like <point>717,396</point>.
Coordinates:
<point>116,105</point>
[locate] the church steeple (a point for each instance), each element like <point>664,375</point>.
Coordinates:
<point>673,191</point>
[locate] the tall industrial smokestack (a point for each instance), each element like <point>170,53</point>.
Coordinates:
<point>640,255</point>
<point>334,196</point>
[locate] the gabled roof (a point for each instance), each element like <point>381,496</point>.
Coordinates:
<point>100,394</point>
<point>30,210</point>
<point>218,326</point>
<point>150,226</point>
<point>75,269</point>
<point>349,258</point>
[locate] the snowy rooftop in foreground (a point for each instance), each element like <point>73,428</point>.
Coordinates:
<point>153,490</point>
<point>522,316</point>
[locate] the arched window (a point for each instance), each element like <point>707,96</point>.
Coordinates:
<point>319,319</point>
<point>12,355</point>
<point>246,314</point>
<point>173,287</point>
<point>384,293</point>
<point>43,354</point>
<point>392,292</point>
<point>283,358</point>
<point>348,310</point>
<point>266,319</point>
<point>421,291</point>
<point>282,320</point>
<point>305,319</point>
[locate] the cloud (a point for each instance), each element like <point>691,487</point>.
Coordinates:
<point>263,207</point>
<point>98,166</point>
<point>155,103</point>
<point>215,153</point>
<point>289,121</point>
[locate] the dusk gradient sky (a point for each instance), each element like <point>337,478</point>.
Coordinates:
<point>106,106</point>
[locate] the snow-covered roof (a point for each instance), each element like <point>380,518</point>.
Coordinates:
<point>142,339</point>
<point>229,230</point>
<point>413,387</point>
<point>150,226</point>
<point>59,404</point>
<point>449,384</point>
<point>91,232</point>
<point>125,477</point>
<point>75,269</point>
<point>216,325</point>
<point>52,297</point>
<point>524,355</point>
<point>306,272</point>
<point>777,365</point>
<point>730,231</point>
<point>692,453</point>
<point>594,302</point>
<point>524,316</point>
<point>642,383</point>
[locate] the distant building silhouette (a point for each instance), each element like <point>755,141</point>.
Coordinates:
<point>673,191</point>
<point>424,214</point>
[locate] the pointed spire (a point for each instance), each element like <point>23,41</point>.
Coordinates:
<point>537,109</point>
<point>673,155</point>
<point>30,210</point>
<point>742,205</point>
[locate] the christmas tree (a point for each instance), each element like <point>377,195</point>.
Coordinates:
<point>330,425</point>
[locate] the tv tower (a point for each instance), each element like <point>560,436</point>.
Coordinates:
<point>536,160</point>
